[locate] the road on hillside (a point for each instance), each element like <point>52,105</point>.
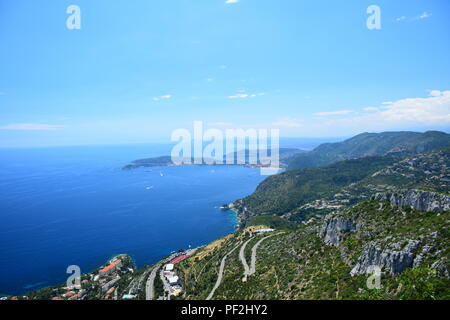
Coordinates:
<point>220,275</point>
<point>255,247</point>
<point>243,260</point>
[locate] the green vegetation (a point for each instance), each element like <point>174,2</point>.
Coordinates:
<point>283,193</point>
<point>159,287</point>
<point>299,195</point>
<point>299,265</point>
<point>372,144</point>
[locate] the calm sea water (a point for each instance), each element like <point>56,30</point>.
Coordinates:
<point>75,206</point>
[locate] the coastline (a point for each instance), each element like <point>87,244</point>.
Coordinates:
<point>221,182</point>
<point>240,219</point>
<point>236,223</point>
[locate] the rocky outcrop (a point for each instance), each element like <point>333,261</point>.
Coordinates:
<point>441,268</point>
<point>417,199</point>
<point>391,259</point>
<point>333,228</point>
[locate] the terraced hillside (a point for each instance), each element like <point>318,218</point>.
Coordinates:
<point>328,258</point>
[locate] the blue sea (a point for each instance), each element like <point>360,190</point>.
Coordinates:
<point>75,206</point>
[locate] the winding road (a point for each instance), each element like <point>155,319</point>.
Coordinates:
<point>248,271</point>
<point>243,260</point>
<point>220,275</point>
<point>255,247</point>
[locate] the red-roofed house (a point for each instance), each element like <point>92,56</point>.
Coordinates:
<point>178,259</point>
<point>110,268</point>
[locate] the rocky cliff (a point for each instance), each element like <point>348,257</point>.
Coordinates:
<point>367,235</point>
<point>334,227</point>
<point>394,260</point>
<point>416,199</point>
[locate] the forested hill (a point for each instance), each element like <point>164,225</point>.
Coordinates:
<point>281,193</point>
<point>372,144</point>
<point>300,194</point>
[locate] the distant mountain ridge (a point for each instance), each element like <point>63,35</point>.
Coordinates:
<point>371,144</point>
<point>285,154</point>
<point>300,194</point>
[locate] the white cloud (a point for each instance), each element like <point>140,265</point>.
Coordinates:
<point>287,122</point>
<point>333,113</point>
<point>431,112</point>
<point>242,96</point>
<point>424,15</point>
<point>435,93</point>
<point>246,95</point>
<point>371,109</point>
<point>434,109</point>
<point>404,114</point>
<point>31,126</point>
<point>231,1</point>
<point>167,96</point>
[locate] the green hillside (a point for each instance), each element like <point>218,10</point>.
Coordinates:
<point>300,264</point>
<point>300,194</point>
<point>372,144</point>
<point>281,193</point>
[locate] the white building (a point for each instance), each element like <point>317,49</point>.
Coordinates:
<point>108,285</point>
<point>172,280</point>
<point>169,267</point>
<point>264,230</point>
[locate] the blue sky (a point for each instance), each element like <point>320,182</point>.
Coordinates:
<point>137,70</point>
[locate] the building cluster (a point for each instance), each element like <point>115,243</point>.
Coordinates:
<point>115,264</point>
<point>171,280</point>
<point>430,167</point>
<point>172,284</point>
<point>322,204</point>
<point>433,169</point>
<point>101,285</point>
<point>108,277</point>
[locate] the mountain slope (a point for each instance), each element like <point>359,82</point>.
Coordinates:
<point>281,193</point>
<point>328,258</point>
<point>372,144</point>
<point>300,194</point>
